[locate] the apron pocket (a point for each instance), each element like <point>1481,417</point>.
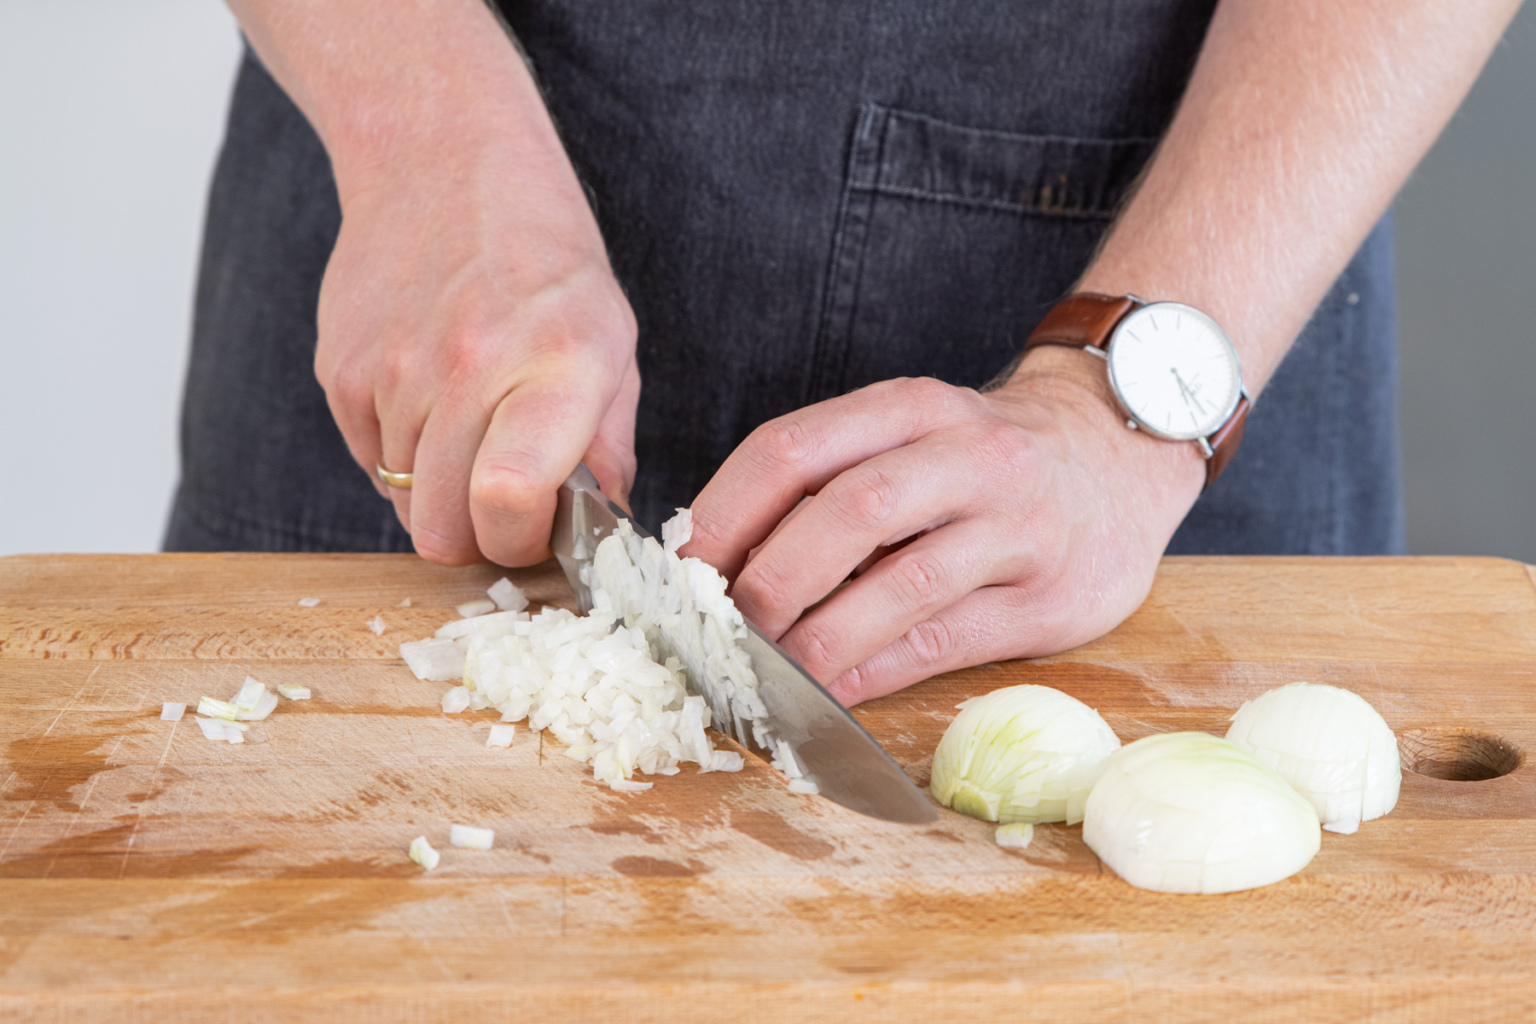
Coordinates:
<point>952,242</point>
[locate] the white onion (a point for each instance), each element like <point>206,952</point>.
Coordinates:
<point>214,708</point>
<point>1330,744</point>
<point>294,691</point>
<point>435,660</point>
<point>1187,812</point>
<point>308,602</point>
<point>677,531</point>
<point>377,625</point>
<point>507,596</point>
<point>172,712</point>
<point>422,853</point>
<point>498,623</point>
<point>803,787</point>
<point>405,602</point>
<point>249,696</point>
<point>479,606</point>
<point>263,708</point>
<point>456,700</point>
<point>471,838</point>
<point>1021,753</point>
<point>501,736</point>
<point>1015,835</point>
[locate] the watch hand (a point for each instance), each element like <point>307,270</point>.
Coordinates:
<point>1188,395</point>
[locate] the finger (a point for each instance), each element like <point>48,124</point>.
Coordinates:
<point>436,445</point>
<point>350,398</point>
<point>611,455</point>
<point>887,498</point>
<point>990,624</point>
<point>795,455</point>
<point>900,591</point>
<point>537,435</point>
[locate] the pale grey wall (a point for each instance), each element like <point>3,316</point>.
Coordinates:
<point>1467,305</point>
<point>110,114</point>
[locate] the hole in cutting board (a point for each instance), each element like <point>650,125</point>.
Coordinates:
<point>1457,755</point>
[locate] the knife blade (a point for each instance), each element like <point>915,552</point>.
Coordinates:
<point>845,762</point>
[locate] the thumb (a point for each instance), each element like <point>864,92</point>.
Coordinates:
<point>537,434</point>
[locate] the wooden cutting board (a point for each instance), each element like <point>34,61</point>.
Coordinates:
<point>149,874</point>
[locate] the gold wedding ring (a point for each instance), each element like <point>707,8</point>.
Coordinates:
<point>400,481</point>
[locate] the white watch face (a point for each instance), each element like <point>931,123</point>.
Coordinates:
<point>1174,370</point>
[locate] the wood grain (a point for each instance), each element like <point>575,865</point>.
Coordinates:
<point>147,874</point>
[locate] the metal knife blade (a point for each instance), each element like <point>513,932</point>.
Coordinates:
<point>844,761</point>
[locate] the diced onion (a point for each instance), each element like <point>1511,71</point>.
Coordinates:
<point>507,596</point>
<point>456,700</point>
<point>264,707</point>
<point>1015,835</point>
<point>479,606</point>
<point>677,531</point>
<point>422,853</point>
<point>170,712</point>
<point>308,602</point>
<point>249,696</point>
<point>803,787</point>
<point>471,838</point>
<point>1187,812</point>
<point>501,736</point>
<point>435,660</point>
<point>1330,744</point>
<point>405,602</point>
<point>377,625</point>
<point>215,708</point>
<point>628,786</point>
<point>294,691</point>
<point>1022,753</point>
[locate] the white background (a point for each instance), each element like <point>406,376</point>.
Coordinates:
<point>110,116</point>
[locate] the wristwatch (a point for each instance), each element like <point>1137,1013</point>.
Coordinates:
<point>1173,370</point>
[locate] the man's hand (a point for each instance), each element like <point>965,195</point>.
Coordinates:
<point>479,341</point>
<point>471,331</point>
<point>1014,523</point>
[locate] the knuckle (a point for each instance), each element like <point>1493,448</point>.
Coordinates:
<point>784,443</point>
<point>764,585</point>
<point>926,393</point>
<point>865,496</point>
<point>818,649</point>
<point>931,642</point>
<point>922,580</point>
<point>503,490</point>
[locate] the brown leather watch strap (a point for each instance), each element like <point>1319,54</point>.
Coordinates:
<point>1082,319</point>
<point>1089,318</point>
<point>1224,442</point>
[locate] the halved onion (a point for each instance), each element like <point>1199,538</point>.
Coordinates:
<point>1187,812</point>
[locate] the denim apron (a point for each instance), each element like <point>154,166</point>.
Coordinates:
<point>799,198</point>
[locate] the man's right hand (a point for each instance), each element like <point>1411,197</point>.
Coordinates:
<point>471,330</point>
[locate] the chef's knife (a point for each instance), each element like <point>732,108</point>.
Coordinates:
<point>844,761</point>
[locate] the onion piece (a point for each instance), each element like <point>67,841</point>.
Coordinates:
<point>677,531</point>
<point>1187,812</point>
<point>294,691</point>
<point>803,787</point>
<point>214,708</point>
<point>170,712</point>
<point>628,786</point>
<point>263,708</point>
<point>405,602</point>
<point>249,696</point>
<point>377,625</point>
<point>422,853</point>
<point>456,700</point>
<point>308,602</point>
<point>1015,835</point>
<point>434,660</point>
<point>501,736</point>
<point>1330,744</point>
<point>1022,753</point>
<point>507,595</point>
<point>471,838</point>
<point>471,609</point>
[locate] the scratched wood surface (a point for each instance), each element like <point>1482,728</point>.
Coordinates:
<point>148,874</point>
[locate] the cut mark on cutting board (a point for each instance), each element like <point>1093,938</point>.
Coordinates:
<point>1457,755</point>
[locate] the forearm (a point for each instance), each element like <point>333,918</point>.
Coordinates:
<point>410,87</point>
<point>1300,123</point>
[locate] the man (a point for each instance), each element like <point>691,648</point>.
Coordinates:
<point>799,200</point>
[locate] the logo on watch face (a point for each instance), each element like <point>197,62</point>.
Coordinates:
<point>1174,370</point>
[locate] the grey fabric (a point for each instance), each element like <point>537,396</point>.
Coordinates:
<point>799,198</point>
